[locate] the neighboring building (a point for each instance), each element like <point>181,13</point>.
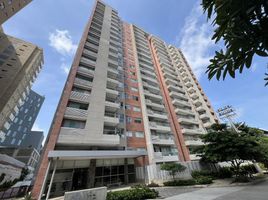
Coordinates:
<point>130,103</point>
<point>8,8</point>
<point>10,167</point>
<point>20,62</point>
<point>19,133</point>
<point>28,156</point>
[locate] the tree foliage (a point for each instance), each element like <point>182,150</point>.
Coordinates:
<point>223,144</point>
<point>173,168</point>
<point>243,26</point>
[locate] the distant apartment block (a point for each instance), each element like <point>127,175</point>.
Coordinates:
<point>20,62</point>
<point>19,133</point>
<point>8,8</point>
<point>130,103</point>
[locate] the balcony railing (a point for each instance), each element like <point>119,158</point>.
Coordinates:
<point>76,113</point>
<point>81,97</point>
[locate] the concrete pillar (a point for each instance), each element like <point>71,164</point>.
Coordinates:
<point>44,181</point>
<point>51,180</point>
<point>91,174</point>
<point>126,171</point>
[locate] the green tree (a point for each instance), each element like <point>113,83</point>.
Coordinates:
<point>243,26</point>
<point>173,168</point>
<point>223,144</point>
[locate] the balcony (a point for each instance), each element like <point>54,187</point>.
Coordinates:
<point>175,88</point>
<point>178,95</point>
<point>85,71</point>
<point>80,97</point>
<point>161,127</point>
<point>154,80</point>
<point>172,77</point>
<point>82,137</point>
<point>171,81</point>
<point>191,90</point>
<point>194,95</point>
<point>112,106</point>
<point>200,109</point>
<point>207,124</point>
<point>113,62</point>
<point>184,111</point>
<point>194,143</point>
<point>113,83</point>
<point>111,119</point>
<point>165,157</point>
<point>153,96</point>
<point>197,102</point>
<point>150,87</point>
<point>155,105</point>
<point>187,131</point>
<point>177,102</point>
<point>189,84</point>
<point>162,141</point>
<point>89,53</point>
<point>159,115</point>
<point>82,83</point>
<point>75,113</point>
<point>188,121</point>
<point>87,61</point>
<point>112,72</point>
<point>112,93</point>
<point>204,116</point>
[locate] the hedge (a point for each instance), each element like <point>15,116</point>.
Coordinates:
<point>139,192</point>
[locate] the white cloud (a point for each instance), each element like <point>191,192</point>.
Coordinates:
<point>65,68</point>
<point>36,127</point>
<point>61,40</point>
<point>195,40</point>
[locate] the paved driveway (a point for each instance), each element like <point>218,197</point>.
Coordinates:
<point>250,192</point>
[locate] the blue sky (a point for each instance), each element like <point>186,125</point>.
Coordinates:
<point>56,26</point>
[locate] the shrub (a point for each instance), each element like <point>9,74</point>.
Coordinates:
<point>152,184</point>
<point>224,172</point>
<point>138,192</point>
<point>197,174</point>
<point>180,182</point>
<point>203,180</point>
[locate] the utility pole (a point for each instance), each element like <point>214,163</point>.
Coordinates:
<point>228,112</point>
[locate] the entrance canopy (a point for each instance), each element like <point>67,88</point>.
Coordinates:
<point>85,155</point>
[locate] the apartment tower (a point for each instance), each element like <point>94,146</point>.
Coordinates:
<point>8,8</point>
<point>20,62</point>
<point>130,103</point>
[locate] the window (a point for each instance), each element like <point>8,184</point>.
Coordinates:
<point>8,133</point>
<point>73,123</point>
<point>14,134</point>
<point>136,98</point>
<point>2,5</point>
<point>129,134</point>
<point>128,107</point>
<point>19,142</point>
<point>13,141</point>
<point>138,120</point>
<point>20,121</point>
<point>129,120</point>
<point>133,73</point>
<point>139,134</point>
<point>136,109</point>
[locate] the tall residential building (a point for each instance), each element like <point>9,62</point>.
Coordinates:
<point>8,8</point>
<point>20,62</point>
<point>19,133</point>
<point>130,103</point>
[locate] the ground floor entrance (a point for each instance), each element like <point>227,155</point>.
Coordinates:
<point>69,175</point>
